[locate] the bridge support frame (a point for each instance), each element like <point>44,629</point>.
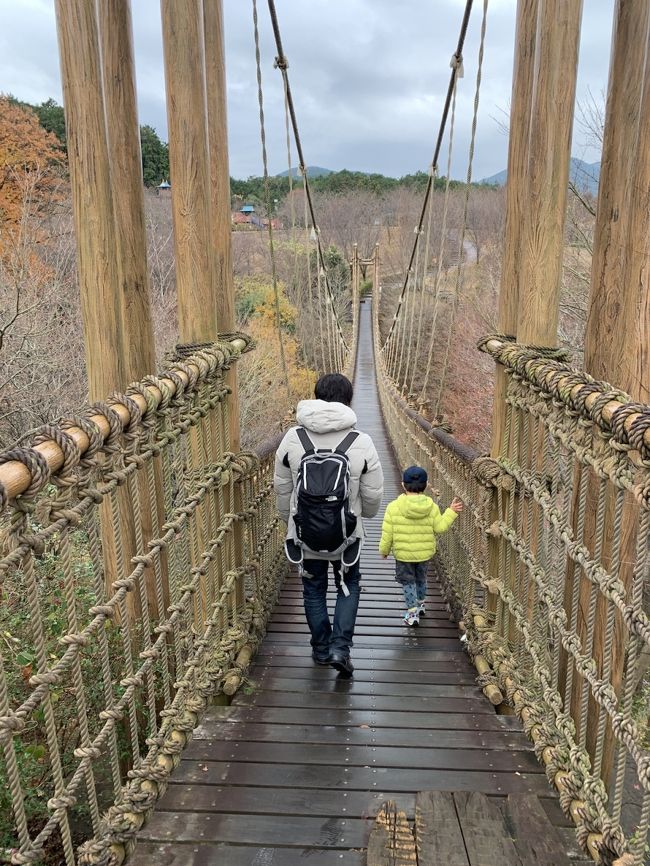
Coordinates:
<point>618,336</point>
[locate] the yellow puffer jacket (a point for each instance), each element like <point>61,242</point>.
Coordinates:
<point>410,526</point>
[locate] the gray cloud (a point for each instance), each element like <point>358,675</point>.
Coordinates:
<point>368,76</point>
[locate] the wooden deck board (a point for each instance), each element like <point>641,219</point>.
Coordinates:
<point>362,735</point>
<point>293,771</point>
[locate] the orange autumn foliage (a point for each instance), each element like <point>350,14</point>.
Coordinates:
<point>30,163</point>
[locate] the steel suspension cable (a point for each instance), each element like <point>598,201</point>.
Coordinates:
<point>267,193</point>
<point>328,321</point>
<point>310,294</point>
<point>457,60</point>
<point>425,268</point>
<point>282,64</point>
<point>292,204</point>
<point>443,244</point>
<point>461,243</point>
<point>408,331</point>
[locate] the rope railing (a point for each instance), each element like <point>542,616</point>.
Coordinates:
<point>546,570</point>
<point>131,595</point>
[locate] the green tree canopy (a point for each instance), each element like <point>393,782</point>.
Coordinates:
<point>52,118</point>
<point>155,157</point>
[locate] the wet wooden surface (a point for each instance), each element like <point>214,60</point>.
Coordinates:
<point>296,769</point>
<point>466,829</point>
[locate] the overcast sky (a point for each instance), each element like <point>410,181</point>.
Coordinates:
<point>368,77</point>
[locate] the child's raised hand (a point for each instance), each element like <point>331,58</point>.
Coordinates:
<point>456,505</point>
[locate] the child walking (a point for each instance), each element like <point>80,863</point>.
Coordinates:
<point>409,530</point>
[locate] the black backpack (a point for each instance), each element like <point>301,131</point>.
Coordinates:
<point>324,522</point>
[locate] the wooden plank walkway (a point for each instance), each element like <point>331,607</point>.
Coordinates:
<point>295,770</point>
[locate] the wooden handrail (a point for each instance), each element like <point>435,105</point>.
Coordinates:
<point>16,478</point>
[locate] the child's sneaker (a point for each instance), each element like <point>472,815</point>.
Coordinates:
<point>421,609</point>
<point>411,617</point>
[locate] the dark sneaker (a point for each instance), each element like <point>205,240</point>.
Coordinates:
<point>342,664</point>
<point>319,659</point>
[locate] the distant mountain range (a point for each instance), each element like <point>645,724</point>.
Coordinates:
<point>584,175</point>
<point>312,171</point>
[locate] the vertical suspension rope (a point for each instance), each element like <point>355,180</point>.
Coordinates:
<point>267,195</point>
<point>443,245</point>
<point>408,332</point>
<point>310,292</point>
<point>455,67</point>
<point>461,244</point>
<point>425,269</point>
<point>292,204</point>
<point>282,64</point>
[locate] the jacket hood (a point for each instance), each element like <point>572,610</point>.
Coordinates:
<point>320,416</point>
<point>415,507</point>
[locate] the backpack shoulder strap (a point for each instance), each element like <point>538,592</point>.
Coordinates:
<point>343,446</point>
<point>305,441</point>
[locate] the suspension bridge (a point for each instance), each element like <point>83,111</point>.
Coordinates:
<point>177,717</point>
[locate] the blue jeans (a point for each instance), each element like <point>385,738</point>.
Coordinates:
<point>329,637</point>
<point>413,577</point>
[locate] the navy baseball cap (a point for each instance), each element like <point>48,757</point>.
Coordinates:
<point>414,475</point>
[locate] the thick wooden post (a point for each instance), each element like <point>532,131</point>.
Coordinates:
<point>617,342</point>
<point>91,196</point>
<point>517,194</point>
<point>616,347</point>
<point>517,205</point>
<point>123,131</point>
<point>128,190</point>
<point>635,372</point>
<point>94,218</point>
<point>551,124</point>
<point>215,69</point>
<point>215,76</point>
<point>189,169</point>
<point>556,67</point>
<point>215,73</point>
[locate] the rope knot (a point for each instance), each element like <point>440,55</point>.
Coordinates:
<point>456,63</point>
<point>281,62</point>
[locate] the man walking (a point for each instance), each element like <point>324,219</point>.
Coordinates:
<point>327,477</point>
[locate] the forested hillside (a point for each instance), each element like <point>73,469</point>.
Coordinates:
<point>41,347</point>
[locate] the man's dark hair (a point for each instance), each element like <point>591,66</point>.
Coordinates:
<point>415,486</point>
<point>334,388</point>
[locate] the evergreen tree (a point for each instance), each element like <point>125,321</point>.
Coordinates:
<point>155,157</point>
<point>52,118</point>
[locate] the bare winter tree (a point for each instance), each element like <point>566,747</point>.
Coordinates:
<point>41,341</point>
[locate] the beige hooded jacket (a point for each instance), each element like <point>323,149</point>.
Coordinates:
<point>327,425</point>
